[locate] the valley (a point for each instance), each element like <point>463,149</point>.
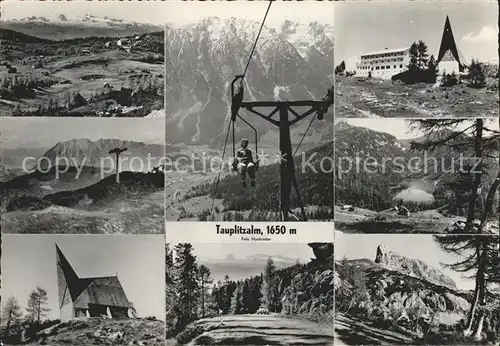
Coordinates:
<point>400,186</point>
<point>190,188</point>
<point>84,197</point>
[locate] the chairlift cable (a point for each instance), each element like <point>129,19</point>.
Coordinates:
<point>220,170</point>
<point>256,40</point>
<point>305,133</point>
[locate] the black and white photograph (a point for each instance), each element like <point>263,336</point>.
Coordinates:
<point>249,294</point>
<point>83,290</point>
<point>82,59</point>
<point>421,59</point>
<point>417,175</point>
<point>249,110</point>
<point>82,175</point>
<point>417,289</point>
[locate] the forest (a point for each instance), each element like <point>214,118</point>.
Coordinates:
<point>467,187</point>
<point>316,188</point>
<point>192,294</point>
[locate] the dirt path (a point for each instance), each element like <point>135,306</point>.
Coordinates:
<point>352,332</point>
<point>263,330</point>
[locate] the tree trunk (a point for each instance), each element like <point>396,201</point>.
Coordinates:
<point>480,292</point>
<point>488,206</point>
<point>9,320</point>
<point>477,176</point>
<point>472,311</point>
<point>202,298</point>
<point>478,335</point>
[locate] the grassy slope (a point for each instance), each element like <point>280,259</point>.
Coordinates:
<point>98,331</point>
<point>381,98</point>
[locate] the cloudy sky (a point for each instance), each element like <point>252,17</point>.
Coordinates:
<point>150,12</point>
<point>43,132</point>
<point>401,129</point>
<point>29,261</point>
<point>301,12</point>
<point>422,247</point>
<point>237,259</point>
<point>371,26</point>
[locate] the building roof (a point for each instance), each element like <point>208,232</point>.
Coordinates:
<point>384,51</point>
<point>448,44</point>
<point>102,291</point>
<point>105,290</point>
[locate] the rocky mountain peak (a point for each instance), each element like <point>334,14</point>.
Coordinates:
<point>412,267</point>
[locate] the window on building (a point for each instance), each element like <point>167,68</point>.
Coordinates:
<point>388,67</point>
<point>376,68</point>
<point>401,66</point>
<point>395,66</point>
<point>382,67</point>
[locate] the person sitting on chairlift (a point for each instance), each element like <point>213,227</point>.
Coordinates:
<point>245,163</point>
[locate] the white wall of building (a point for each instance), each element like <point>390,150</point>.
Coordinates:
<point>449,67</point>
<point>67,312</point>
<point>383,64</point>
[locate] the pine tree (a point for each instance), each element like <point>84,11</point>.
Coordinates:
<point>186,274</point>
<point>340,69</point>
<point>205,281</point>
<point>36,302</point>
<point>480,255</point>
<point>269,285</point>
<point>432,69</point>
<point>422,55</point>
<point>237,300</point>
<point>245,297</point>
<point>11,312</point>
<point>413,63</point>
<point>477,77</point>
<point>471,139</point>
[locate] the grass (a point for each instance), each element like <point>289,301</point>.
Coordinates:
<point>382,98</point>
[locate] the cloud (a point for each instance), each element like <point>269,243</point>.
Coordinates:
<point>485,35</point>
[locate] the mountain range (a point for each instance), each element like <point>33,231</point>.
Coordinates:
<point>392,163</point>
<point>82,150</point>
<point>65,27</point>
<point>294,62</point>
<point>243,267</point>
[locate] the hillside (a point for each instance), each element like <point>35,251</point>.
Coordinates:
<point>118,74</point>
<point>259,202</point>
<point>136,205</point>
<point>363,98</point>
<point>428,183</point>
<point>98,331</point>
<point>399,299</point>
<point>294,63</point>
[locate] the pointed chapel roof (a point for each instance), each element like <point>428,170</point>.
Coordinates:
<point>95,290</point>
<point>448,43</point>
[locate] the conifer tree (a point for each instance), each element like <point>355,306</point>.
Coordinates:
<point>36,302</point>
<point>186,283</point>
<point>11,312</point>
<point>205,280</point>
<point>269,286</point>
<point>480,256</point>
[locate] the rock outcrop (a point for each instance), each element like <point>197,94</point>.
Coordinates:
<point>413,267</point>
<point>310,293</point>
